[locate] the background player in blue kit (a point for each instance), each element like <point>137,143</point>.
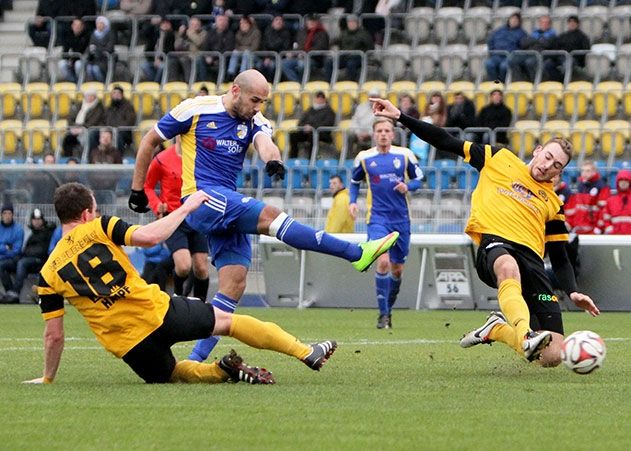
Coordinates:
<point>390,172</point>
<point>216,132</point>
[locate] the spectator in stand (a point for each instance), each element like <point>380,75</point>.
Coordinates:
<point>189,39</point>
<point>105,152</point>
<point>120,113</point>
<point>158,265</point>
<point>91,114</point>
<point>246,40</point>
<point>506,39</point>
<point>312,37</point>
<point>407,105</point>
<point>77,42</point>
<point>276,38</point>
<point>188,247</point>
<point>524,66</point>
<point>320,114</point>
<point>461,114</point>
<point>376,25</point>
<point>572,39</point>
<point>339,219</point>
<point>11,240</point>
<point>354,37</point>
<point>49,158</point>
<point>203,90</point>
<point>31,258</point>
<point>218,8</point>
<point>160,41</point>
<point>361,126</point>
<point>218,39</point>
<point>274,7</point>
<point>40,28</point>
<point>616,216</point>
<point>100,47</point>
<point>54,239</point>
<point>584,209</point>
<point>435,112</point>
<point>562,189</point>
<point>494,115</point>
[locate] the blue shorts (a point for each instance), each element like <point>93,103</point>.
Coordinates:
<point>226,220</point>
<point>399,252</point>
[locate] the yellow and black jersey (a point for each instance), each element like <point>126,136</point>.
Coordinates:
<point>90,269</point>
<point>509,203</point>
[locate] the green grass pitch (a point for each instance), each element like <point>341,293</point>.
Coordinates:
<point>410,388</point>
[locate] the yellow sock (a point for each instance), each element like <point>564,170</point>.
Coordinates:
<point>514,306</point>
<point>191,372</point>
<point>265,335</point>
<point>506,334</point>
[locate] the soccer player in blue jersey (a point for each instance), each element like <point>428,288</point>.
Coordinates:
<point>216,132</point>
<point>390,173</point>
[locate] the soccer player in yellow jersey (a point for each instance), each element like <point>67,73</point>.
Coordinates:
<point>515,217</point>
<point>136,321</point>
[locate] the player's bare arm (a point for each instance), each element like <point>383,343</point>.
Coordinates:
<point>158,231</point>
<point>584,302</point>
<point>53,348</point>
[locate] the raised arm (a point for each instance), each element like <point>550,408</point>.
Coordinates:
<point>429,133</point>
<point>138,200</point>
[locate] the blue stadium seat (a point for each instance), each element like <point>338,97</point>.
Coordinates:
<point>430,177</point>
<point>324,169</point>
<point>297,172</point>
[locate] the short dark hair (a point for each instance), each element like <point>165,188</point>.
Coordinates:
<point>573,18</point>
<point>70,200</point>
<point>335,176</point>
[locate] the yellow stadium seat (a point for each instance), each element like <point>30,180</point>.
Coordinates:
<point>605,99</point>
<point>308,91</point>
<point>211,86</point>
<point>576,99</point>
<point>401,87</point>
<point>518,96</point>
<point>554,129</point>
<point>284,99</point>
<point>613,137</point>
<point>57,132</point>
<point>343,97</point>
<point>140,131</point>
<point>339,134</point>
<point>172,94</point>
<point>466,87</point>
<point>224,87</point>
<point>546,98</point>
<point>9,99</point>
<point>584,136</point>
<point>10,134</point>
<point>482,93</point>
<point>144,97</point>
<point>372,86</point>
<point>524,137</point>
<point>61,98</point>
<point>34,99</point>
<point>281,133</point>
<point>34,136</point>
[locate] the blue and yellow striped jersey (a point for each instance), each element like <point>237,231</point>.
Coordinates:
<point>214,144</point>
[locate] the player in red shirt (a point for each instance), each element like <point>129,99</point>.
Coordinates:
<point>189,248</point>
<point>616,217</point>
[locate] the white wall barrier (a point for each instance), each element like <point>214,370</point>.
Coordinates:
<point>439,274</point>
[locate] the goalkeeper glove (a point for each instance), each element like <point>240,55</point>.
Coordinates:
<point>138,201</point>
<point>275,168</point>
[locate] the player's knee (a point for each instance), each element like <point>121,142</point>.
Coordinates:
<point>551,355</point>
<point>506,267</point>
<point>270,220</point>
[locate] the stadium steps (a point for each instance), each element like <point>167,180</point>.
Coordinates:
<point>14,37</point>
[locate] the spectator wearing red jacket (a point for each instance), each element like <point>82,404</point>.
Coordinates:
<point>583,210</point>
<point>189,248</point>
<point>616,216</point>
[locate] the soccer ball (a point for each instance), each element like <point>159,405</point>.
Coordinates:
<point>583,351</point>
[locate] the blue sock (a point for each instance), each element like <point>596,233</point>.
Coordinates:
<point>304,237</point>
<point>382,284</point>
<point>204,347</point>
<point>395,284</point>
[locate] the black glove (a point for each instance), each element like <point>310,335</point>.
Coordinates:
<point>275,168</point>
<point>138,201</point>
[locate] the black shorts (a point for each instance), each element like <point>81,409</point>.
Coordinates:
<point>185,237</point>
<point>186,319</point>
<point>536,288</point>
